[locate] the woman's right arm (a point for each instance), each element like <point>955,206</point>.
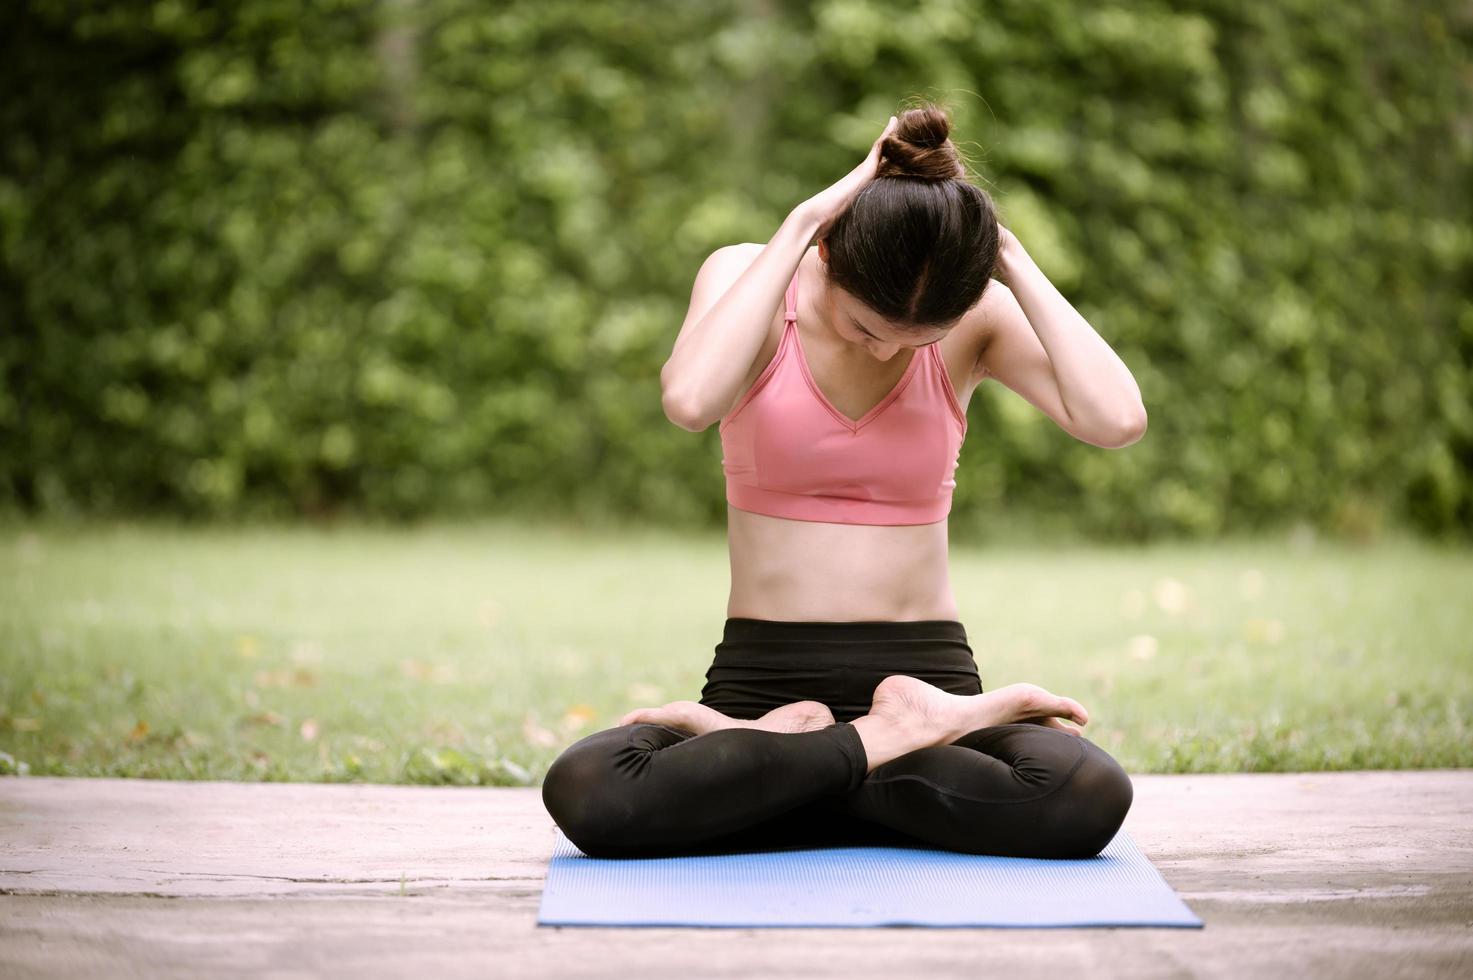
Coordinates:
<point>734,298</point>
<point>731,308</point>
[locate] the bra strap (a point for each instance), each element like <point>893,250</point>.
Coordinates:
<point>791,316</point>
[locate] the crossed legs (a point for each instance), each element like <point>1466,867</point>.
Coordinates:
<point>967,773</point>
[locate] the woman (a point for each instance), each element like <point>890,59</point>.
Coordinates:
<point>844,703</point>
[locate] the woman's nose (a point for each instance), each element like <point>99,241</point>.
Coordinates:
<point>884,351</point>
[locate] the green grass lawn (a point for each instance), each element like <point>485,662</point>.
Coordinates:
<point>474,653</point>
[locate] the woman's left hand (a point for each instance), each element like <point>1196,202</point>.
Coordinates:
<point>1007,242</point>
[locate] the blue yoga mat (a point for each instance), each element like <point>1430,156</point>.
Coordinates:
<point>859,886</point>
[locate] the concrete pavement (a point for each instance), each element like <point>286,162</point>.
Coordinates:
<point>1341,874</point>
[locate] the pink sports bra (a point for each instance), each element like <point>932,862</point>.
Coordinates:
<point>788,452</point>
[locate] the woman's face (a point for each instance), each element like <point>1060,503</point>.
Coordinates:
<point>860,325</point>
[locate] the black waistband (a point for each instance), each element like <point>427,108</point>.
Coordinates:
<point>742,630</point>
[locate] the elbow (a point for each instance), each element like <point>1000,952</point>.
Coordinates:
<point>678,407</point>
<point>682,412</point>
<point>1131,431</point>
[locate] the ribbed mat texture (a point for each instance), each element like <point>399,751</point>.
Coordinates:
<point>859,886</point>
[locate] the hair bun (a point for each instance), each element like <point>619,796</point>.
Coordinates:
<point>921,147</point>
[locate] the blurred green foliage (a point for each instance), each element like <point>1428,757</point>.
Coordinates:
<point>427,256</point>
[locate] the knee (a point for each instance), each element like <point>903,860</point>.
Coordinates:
<point>590,788</point>
<point>1096,801</point>
<point>579,791</point>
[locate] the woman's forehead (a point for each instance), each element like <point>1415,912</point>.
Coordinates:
<point>890,333</point>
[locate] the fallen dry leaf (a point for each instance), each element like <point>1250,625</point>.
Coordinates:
<point>643,693</point>
<point>1263,630</point>
<point>1142,646</point>
<point>537,735</point>
<point>286,677</point>
<point>578,716</point>
<point>1172,595</point>
<point>306,652</point>
<point>417,670</point>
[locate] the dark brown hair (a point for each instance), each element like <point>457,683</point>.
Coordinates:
<point>919,243</point>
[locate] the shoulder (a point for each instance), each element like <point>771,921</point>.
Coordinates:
<point>722,267</point>
<point>741,254</point>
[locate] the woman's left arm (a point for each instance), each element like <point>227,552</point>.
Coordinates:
<point>1096,387</point>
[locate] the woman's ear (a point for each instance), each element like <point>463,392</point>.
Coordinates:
<point>823,250</point>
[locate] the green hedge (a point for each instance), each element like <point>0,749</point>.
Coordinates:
<point>427,256</point>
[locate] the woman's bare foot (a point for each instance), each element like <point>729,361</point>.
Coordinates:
<point>1015,703</point>
<point>908,714</point>
<point>692,716</point>
<point>800,716</point>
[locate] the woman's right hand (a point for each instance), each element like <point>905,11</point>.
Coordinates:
<point>829,204</point>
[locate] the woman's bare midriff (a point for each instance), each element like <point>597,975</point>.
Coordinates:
<point>812,571</point>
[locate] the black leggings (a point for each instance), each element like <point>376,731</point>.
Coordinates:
<point>1022,789</point>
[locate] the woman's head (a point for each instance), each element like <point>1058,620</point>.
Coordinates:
<point>919,243</point>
